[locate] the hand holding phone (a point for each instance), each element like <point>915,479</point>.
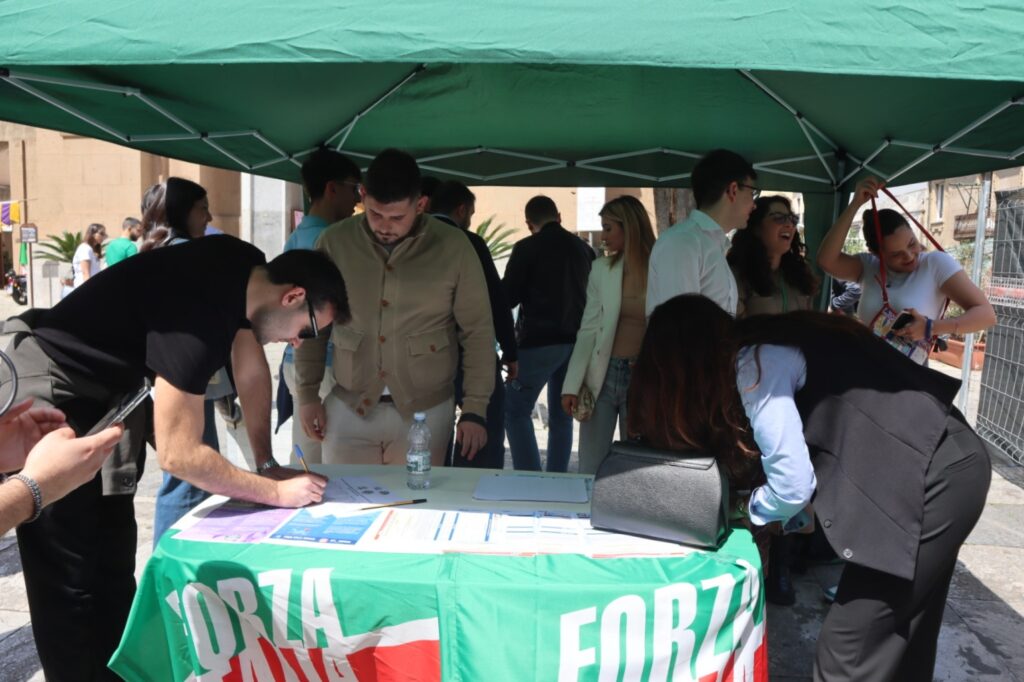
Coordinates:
<point>118,414</point>
<point>902,320</point>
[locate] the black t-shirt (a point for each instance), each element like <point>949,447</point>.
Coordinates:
<point>172,312</point>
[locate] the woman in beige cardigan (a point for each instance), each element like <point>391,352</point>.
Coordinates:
<point>612,328</point>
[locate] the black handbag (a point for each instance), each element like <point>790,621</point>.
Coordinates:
<point>676,496</point>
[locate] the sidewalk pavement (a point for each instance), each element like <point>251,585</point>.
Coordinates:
<point>980,641</point>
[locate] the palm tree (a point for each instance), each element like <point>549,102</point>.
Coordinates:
<point>60,248</point>
<point>496,237</point>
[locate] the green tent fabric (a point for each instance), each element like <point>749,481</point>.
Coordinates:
<point>566,93</point>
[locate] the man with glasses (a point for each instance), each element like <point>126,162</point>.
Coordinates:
<point>689,258</point>
<point>421,294</point>
<point>331,181</point>
<point>84,355</point>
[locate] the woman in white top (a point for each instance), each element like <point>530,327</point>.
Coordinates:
<point>918,281</point>
<point>86,261</point>
<point>612,328</point>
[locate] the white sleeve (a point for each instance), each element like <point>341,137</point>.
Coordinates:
<point>768,399</point>
<point>943,267</point>
<point>674,269</point>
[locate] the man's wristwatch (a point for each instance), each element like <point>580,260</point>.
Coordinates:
<point>267,466</point>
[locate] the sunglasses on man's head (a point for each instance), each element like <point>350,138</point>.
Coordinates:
<point>780,218</point>
<point>313,329</point>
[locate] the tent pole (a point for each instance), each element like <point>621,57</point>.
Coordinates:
<point>347,128</point>
<point>954,150</point>
<point>789,174</point>
<point>814,146</point>
<point>66,108</point>
<point>864,164</point>
<point>979,255</point>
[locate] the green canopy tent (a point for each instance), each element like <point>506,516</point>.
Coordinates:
<point>580,93</point>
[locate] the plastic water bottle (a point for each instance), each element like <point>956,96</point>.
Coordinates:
<point>417,460</point>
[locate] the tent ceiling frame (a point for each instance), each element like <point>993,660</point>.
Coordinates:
<point>22,80</point>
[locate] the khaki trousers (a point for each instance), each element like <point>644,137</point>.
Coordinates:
<point>381,437</point>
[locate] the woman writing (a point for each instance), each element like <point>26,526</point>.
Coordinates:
<point>612,328</point>
<point>897,477</point>
<point>918,281</point>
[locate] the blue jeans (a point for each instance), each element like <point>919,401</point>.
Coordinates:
<point>539,366</point>
<point>609,408</point>
<point>175,497</point>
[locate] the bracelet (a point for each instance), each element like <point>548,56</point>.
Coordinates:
<point>37,495</point>
<point>927,328</point>
<point>267,466</point>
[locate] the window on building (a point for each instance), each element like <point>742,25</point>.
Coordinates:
<point>940,196</point>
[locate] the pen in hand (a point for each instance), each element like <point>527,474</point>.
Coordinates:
<point>302,458</point>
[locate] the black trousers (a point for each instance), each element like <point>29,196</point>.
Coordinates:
<point>492,455</point>
<point>78,557</point>
<point>885,628</point>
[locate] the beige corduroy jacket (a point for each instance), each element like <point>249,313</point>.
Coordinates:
<point>411,310</point>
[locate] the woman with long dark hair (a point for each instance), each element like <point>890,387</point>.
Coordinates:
<point>611,330</point>
<point>86,262</point>
<point>898,479</point>
<point>772,276</point>
<point>769,261</point>
<point>174,212</point>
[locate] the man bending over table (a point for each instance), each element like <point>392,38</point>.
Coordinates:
<point>181,314</point>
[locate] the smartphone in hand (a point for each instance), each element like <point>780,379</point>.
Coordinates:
<point>119,413</point>
<point>902,320</point>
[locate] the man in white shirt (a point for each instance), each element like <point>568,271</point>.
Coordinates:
<point>689,258</point>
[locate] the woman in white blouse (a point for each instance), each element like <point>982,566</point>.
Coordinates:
<point>918,281</point>
<point>86,261</point>
<point>612,328</point>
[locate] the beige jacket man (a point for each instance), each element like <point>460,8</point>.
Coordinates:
<point>411,309</point>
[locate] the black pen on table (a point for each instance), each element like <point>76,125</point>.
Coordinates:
<point>394,504</point>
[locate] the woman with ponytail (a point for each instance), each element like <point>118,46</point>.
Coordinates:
<point>917,281</point>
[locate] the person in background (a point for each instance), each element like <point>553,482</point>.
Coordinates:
<point>918,281</point>
<point>38,444</point>
<point>767,259</point>
<point>546,277</point>
<point>175,215</point>
<point>455,204</point>
<point>87,259</point>
<point>185,209</point>
<point>331,181</point>
<point>772,276</point>
<point>689,258</point>
<point>612,328</point>
<point>845,297</point>
<point>124,246</point>
<point>897,489</point>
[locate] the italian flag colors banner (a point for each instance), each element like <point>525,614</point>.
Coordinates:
<point>234,613</point>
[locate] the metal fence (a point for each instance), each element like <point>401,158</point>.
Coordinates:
<point>1001,398</point>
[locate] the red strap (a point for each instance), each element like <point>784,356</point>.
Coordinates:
<point>878,237</point>
<point>878,242</point>
<point>925,232</point>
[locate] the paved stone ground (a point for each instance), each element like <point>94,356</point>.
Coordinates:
<point>982,630</point>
